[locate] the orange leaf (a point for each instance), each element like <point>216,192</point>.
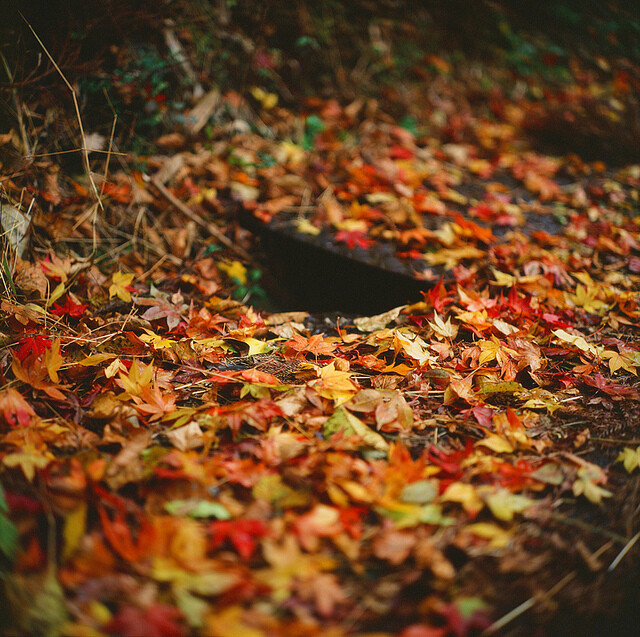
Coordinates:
<point>15,409</point>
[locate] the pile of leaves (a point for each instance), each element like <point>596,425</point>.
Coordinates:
<point>176,460</point>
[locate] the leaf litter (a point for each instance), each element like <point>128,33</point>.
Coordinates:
<point>176,460</point>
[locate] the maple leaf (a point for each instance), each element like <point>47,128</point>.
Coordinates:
<point>586,484</point>
<point>15,409</point>
<point>413,346</point>
<point>119,533</point>
<point>156,403</point>
<point>504,504</point>
<point>69,308</point>
<point>452,256</point>
<point>585,297</point>
<point>161,308</point>
<point>304,226</point>
<point>243,534</point>
<point>613,390</point>
<point>289,563</point>
<point>257,414</point>
<point>342,422</point>
<point>437,296</point>
<point>315,345</point>
<point>120,286</point>
<point>494,350</point>
<point>137,379</point>
<point>353,238</point>
<point>541,185</point>
<point>29,459</point>
<point>394,545</point>
<point>625,359</point>
<point>36,345</point>
<point>442,329</point>
<point>466,495</point>
<point>578,341</point>
<point>56,268</point>
<point>323,590</point>
<point>202,323</point>
<point>157,620</point>
<point>461,388</point>
<point>156,341</point>
<point>321,521</point>
<point>33,372</point>
<point>334,384</point>
<point>630,458</point>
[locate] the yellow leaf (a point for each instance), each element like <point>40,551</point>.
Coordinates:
<point>113,368</point>
<point>578,341</point>
<point>586,485</point>
<point>29,459</point>
<point>268,100</point>
<point>95,359</point>
<point>75,525</point>
<point>451,257</point>
<point>503,279</point>
<point>53,360</point>
<point>488,350</point>
<point>119,285</point>
<point>445,330</point>
<point>498,537</point>
<point>630,458</point>
<point>156,341</point>
<point>257,347</point>
<point>495,443</point>
<point>334,384</point>
<point>585,297</point>
<point>137,380</point>
<point>412,346</point>
<point>229,622</point>
<point>234,270</point>
<point>377,322</point>
<point>504,504</point>
<point>621,360</point>
<point>56,294</point>
<point>466,495</point>
<point>344,421</point>
<point>304,226</point>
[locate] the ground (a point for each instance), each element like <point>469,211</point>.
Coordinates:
<point>315,325</point>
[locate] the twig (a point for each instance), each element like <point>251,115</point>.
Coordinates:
<point>627,547</point>
<point>526,605</point>
<point>209,227</point>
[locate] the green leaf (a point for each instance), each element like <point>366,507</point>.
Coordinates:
<point>420,492</point>
<point>197,509</point>
<point>350,425</point>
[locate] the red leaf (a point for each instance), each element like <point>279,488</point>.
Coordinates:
<point>354,238</point>
<point>158,620</point>
<point>242,533</point>
<point>69,308</point>
<point>398,152</point>
<point>33,345</point>
<point>119,536</point>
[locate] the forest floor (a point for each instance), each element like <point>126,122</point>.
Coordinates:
<point>324,365</point>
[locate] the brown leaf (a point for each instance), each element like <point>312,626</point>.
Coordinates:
<point>30,279</point>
